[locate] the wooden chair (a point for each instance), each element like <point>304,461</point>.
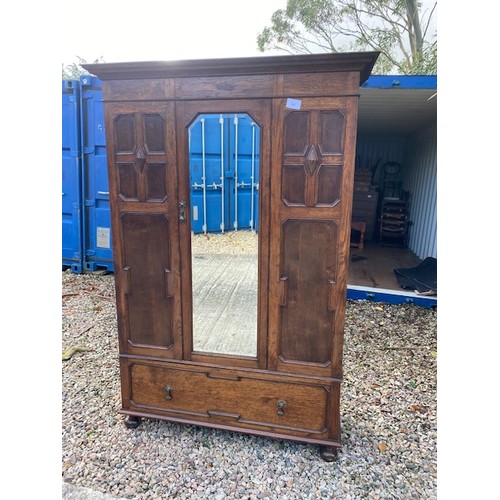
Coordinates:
<point>361,228</point>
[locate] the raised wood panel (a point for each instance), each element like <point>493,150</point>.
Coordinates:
<point>328,185</point>
<point>153,131</point>
<point>308,266</point>
<point>317,84</point>
<point>124,132</point>
<point>215,88</point>
<point>135,90</point>
<point>313,139</point>
<point>296,133</point>
<point>147,264</point>
<point>141,156</point>
<point>293,183</point>
<point>331,132</point>
<point>156,182</point>
<point>127,181</point>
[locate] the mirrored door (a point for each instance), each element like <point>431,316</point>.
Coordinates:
<point>223,160</point>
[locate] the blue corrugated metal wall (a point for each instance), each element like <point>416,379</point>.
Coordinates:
<point>97,240</point>
<point>420,179</point>
<point>373,150</point>
<point>71,177</point>
<point>224,173</point>
<point>86,230</point>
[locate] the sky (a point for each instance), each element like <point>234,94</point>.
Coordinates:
<point>163,30</point>
<point>154,30</point>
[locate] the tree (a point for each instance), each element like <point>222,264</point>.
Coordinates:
<point>399,29</point>
<point>74,70</point>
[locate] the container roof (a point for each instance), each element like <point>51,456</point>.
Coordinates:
<point>397,105</point>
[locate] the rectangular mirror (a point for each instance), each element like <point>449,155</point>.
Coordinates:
<point>224,153</point>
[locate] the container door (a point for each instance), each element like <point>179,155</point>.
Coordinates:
<point>208,150</point>
<point>224,155</point>
<point>146,213</point>
<point>96,217</point>
<point>71,178</point>
<point>243,172</point>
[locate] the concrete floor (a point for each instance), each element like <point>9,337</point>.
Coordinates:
<point>374,265</point>
<point>225,304</point>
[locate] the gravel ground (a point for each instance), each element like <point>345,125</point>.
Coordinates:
<point>233,243</point>
<point>388,410</point>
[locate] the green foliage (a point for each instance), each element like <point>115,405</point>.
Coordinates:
<point>74,70</point>
<point>396,28</point>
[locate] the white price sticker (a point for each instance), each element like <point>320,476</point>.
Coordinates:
<point>293,103</point>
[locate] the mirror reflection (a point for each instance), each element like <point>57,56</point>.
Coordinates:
<point>224,176</point>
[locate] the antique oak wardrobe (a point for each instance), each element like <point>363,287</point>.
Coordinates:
<point>305,108</point>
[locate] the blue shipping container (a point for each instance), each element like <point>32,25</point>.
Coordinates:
<point>71,178</point>
<point>224,173</point>
<point>98,246</point>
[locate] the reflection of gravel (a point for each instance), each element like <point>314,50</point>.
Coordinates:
<point>239,242</point>
<point>388,418</point>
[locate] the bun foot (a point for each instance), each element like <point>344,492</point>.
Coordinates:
<point>328,453</point>
<point>132,422</point>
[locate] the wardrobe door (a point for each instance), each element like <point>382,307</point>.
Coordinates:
<point>312,179</point>
<point>246,304</point>
<point>145,214</point>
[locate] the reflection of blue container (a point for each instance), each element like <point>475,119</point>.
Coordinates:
<point>227,147</point>
<point>71,177</point>
<point>98,250</point>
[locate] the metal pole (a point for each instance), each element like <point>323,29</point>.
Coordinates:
<point>203,176</point>
<point>236,172</point>
<point>252,178</point>
<point>221,122</point>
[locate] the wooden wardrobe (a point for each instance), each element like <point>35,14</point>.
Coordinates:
<point>306,110</point>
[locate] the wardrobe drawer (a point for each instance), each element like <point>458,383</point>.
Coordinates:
<point>230,398</point>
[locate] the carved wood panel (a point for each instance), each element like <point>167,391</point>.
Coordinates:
<point>141,156</point>
<point>146,279</point>
<point>307,279</point>
<point>143,185</point>
<point>309,234</point>
<point>313,144</point>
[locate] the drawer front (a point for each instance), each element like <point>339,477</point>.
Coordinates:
<point>230,398</point>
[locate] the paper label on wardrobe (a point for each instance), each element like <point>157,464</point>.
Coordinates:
<point>293,103</point>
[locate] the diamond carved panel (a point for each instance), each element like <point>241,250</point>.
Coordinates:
<point>141,158</point>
